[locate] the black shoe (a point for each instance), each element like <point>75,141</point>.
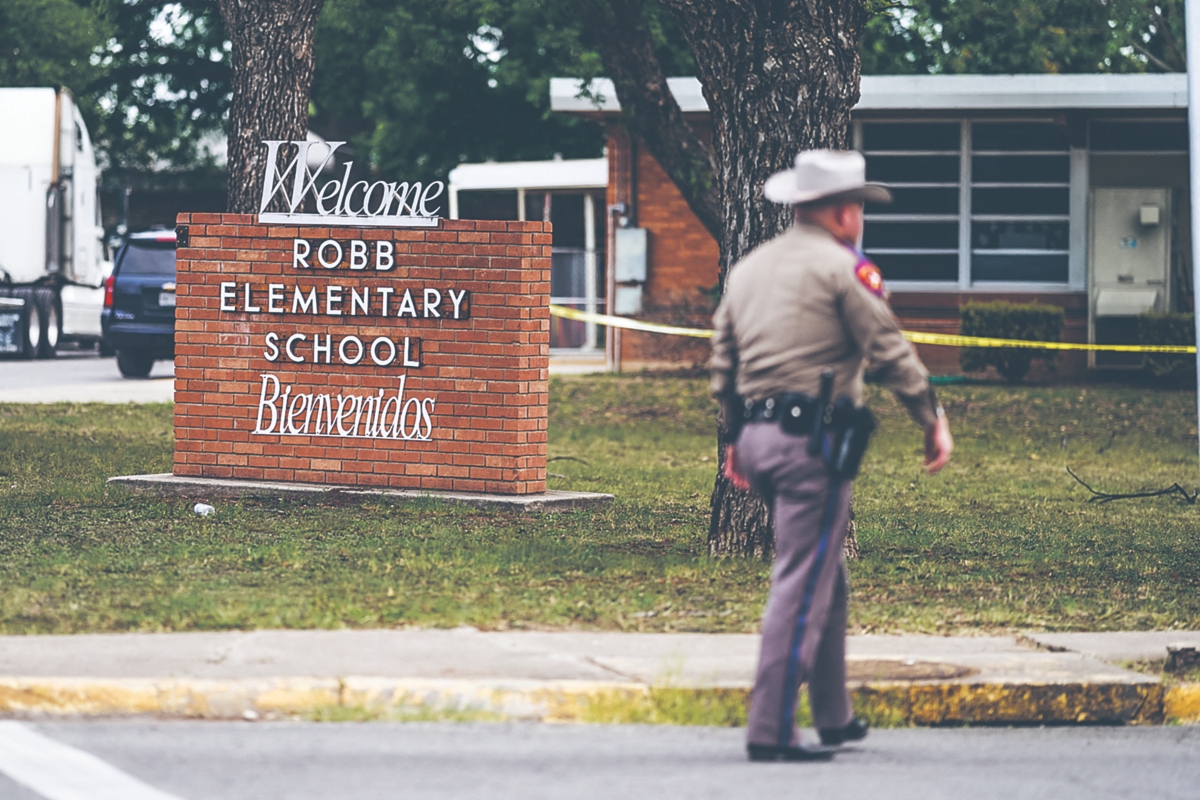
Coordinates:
<point>795,752</point>
<point>855,730</point>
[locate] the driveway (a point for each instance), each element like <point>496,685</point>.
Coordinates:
<point>81,376</point>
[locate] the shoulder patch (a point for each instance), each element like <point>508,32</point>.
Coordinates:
<point>871,278</point>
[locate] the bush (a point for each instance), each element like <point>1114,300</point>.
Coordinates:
<point>1000,320</point>
<point>1178,329</point>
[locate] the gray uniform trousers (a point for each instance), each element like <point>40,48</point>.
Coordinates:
<point>804,626</point>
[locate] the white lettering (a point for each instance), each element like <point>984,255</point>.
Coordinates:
<point>327,192</point>
<point>433,299</point>
<point>302,304</point>
<point>383,362</point>
<point>457,299</point>
<point>301,250</point>
<point>342,350</point>
<point>343,412</point>
<point>384,258</point>
<point>337,248</point>
<point>408,197</point>
<point>385,199</point>
<point>378,416</point>
<point>264,403</point>
<point>289,186</point>
<point>275,298</point>
<point>407,306</point>
<point>358,254</point>
<point>426,197</point>
<point>287,348</point>
<point>385,292</point>
<point>333,296</point>
<point>345,182</point>
<point>246,306</point>
<point>361,210</point>
<point>360,305</point>
<point>426,414</point>
<point>228,296</point>
<point>272,351</point>
<point>322,349</point>
<point>412,362</point>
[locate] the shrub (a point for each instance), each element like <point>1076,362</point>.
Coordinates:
<point>1000,320</point>
<point>1178,329</point>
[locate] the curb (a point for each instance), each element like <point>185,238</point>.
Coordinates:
<point>1182,703</point>
<point>883,703</point>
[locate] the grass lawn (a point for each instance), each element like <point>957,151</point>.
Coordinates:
<point>1003,539</point>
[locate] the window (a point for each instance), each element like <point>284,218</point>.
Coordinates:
<point>1020,202</point>
<point>915,238</point>
<point>997,191</point>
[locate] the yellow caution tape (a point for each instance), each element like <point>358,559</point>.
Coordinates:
<point>948,340</point>
<point>626,323</point>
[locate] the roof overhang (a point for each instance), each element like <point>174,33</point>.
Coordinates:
<point>932,93</point>
<point>577,173</point>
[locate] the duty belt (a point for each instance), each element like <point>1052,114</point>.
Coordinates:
<point>796,408</point>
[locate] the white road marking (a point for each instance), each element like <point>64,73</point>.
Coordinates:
<point>58,772</point>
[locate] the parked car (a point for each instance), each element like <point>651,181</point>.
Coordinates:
<point>138,319</point>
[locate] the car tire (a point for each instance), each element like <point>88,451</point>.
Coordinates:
<point>51,322</point>
<point>106,349</point>
<point>134,363</point>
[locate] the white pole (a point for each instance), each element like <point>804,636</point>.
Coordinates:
<point>589,267</point>
<point>1193,65</point>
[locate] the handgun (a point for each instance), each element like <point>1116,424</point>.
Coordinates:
<point>823,415</point>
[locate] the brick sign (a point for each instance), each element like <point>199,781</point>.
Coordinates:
<point>412,358</point>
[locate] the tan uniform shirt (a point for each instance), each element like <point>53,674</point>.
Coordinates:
<point>795,307</point>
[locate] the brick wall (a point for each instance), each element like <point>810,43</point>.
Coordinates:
<point>682,258</point>
<point>482,383</point>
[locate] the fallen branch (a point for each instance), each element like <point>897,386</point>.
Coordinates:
<point>1105,497</point>
<point>567,458</point>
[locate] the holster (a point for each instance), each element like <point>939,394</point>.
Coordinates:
<point>851,434</point>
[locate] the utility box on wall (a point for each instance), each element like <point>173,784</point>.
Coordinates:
<point>1129,274</point>
<point>629,272</point>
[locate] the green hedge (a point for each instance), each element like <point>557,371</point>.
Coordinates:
<point>1000,320</point>
<point>1179,329</point>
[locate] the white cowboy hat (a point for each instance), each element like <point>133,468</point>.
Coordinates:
<point>819,174</point>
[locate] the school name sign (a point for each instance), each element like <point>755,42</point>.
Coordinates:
<point>414,356</point>
<point>285,409</point>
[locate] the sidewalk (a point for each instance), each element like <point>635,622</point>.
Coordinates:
<point>575,676</point>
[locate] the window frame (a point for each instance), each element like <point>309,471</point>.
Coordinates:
<point>1076,216</point>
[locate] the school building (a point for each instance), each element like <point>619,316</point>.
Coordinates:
<point>1062,189</point>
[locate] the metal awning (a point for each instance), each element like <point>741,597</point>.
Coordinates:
<point>577,173</point>
<point>933,92</point>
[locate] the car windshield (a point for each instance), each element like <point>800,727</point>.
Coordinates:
<point>148,258</point>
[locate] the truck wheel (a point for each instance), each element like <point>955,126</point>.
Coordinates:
<point>134,363</point>
<point>51,322</point>
<point>106,349</point>
<point>32,325</point>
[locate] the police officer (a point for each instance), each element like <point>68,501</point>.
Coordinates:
<point>803,310</point>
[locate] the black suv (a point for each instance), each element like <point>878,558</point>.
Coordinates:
<point>138,319</point>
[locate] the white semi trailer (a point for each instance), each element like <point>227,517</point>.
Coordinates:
<point>53,261</point>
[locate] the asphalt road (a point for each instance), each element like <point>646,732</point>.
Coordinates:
<point>146,760</point>
<point>81,376</point>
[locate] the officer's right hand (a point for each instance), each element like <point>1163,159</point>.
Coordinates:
<point>731,469</point>
<point>939,444</point>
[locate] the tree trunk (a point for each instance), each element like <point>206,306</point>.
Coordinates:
<point>272,72</point>
<point>779,76</point>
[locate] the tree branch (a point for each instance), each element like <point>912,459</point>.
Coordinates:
<point>649,110</point>
<point>1105,497</point>
<point>1158,62</point>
